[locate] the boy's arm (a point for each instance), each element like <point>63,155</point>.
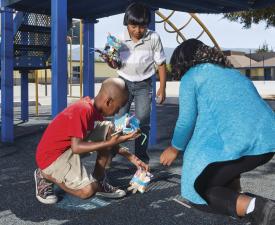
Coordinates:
<point>132,158</point>
<point>159,59</point>
<point>79,146</point>
<point>161,95</point>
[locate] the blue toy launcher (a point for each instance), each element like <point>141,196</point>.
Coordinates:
<point>128,123</point>
<point>110,54</point>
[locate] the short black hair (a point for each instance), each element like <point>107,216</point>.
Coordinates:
<point>137,14</point>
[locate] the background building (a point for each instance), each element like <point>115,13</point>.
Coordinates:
<point>256,66</point>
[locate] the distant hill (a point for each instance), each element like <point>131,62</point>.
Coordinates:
<point>246,50</point>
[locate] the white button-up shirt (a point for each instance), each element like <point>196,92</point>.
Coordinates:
<point>139,59</point>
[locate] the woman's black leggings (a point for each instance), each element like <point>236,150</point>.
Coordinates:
<point>212,184</point>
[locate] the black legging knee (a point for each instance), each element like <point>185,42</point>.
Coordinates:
<point>212,184</point>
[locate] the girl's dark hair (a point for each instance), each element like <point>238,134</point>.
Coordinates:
<point>193,52</point>
<point>137,14</point>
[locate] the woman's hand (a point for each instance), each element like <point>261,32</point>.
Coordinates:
<point>168,156</point>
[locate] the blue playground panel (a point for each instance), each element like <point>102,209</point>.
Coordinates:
<point>97,9</point>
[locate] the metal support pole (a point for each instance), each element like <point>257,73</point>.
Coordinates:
<point>46,81</point>
<point>24,96</point>
<point>81,58</point>
<point>88,69</point>
<point>7,132</point>
<point>70,65</point>
<point>36,92</point>
<point>153,116</point>
<point>59,55</point>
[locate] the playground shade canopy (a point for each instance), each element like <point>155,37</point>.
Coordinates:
<point>93,9</point>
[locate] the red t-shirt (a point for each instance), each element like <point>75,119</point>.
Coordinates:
<point>74,121</point>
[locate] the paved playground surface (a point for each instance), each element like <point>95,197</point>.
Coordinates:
<point>161,205</point>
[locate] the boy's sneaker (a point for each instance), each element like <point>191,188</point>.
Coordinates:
<point>44,189</point>
<point>264,212</point>
<point>109,191</point>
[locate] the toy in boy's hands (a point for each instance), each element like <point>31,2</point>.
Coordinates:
<point>140,181</point>
<point>126,124</point>
<point>110,54</point>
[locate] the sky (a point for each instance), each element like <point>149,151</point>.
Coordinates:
<point>227,34</point>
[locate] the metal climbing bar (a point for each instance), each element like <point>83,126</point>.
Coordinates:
<point>167,20</point>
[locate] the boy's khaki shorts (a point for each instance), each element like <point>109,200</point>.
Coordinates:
<point>68,168</point>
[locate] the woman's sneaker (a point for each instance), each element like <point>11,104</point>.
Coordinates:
<point>109,191</point>
<point>44,189</point>
<point>264,212</point>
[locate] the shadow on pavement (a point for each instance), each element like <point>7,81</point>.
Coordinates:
<point>158,206</point>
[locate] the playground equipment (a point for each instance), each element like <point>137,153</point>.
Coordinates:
<point>110,49</point>
<point>32,31</point>
<point>70,65</point>
<point>167,20</point>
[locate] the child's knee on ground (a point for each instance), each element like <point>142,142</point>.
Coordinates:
<point>48,177</point>
<point>83,193</point>
<point>88,191</point>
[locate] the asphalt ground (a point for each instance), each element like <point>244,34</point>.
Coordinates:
<point>160,205</point>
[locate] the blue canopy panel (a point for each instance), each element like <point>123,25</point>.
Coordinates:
<point>97,9</point>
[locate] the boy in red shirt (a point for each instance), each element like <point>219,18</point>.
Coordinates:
<point>75,131</point>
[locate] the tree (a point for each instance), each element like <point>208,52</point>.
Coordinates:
<point>247,18</point>
<point>264,48</point>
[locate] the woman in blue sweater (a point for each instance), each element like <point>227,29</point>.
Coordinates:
<point>224,129</point>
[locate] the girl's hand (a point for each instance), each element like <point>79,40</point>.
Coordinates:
<point>168,156</point>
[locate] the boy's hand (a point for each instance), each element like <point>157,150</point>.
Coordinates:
<point>161,95</point>
<point>133,135</point>
<point>118,138</point>
<point>133,159</point>
<point>168,156</point>
<point>138,163</point>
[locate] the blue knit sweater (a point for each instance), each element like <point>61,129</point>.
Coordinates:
<point>221,118</point>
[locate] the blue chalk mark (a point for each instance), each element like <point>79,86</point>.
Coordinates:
<point>72,203</point>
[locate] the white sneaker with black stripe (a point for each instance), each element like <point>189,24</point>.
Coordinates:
<point>44,189</point>
<point>109,191</point>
